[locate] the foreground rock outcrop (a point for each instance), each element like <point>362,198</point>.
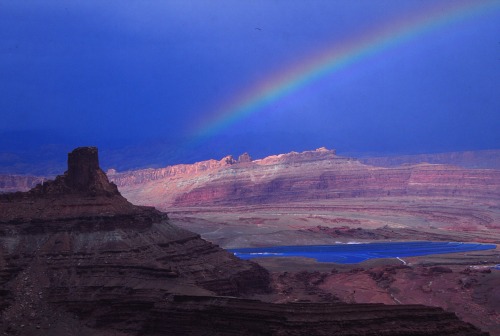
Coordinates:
<point>76,243</point>
<point>78,258</point>
<point>472,292</point>
<point>225,316</point>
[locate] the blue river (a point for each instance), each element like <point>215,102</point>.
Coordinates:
<point>355,253</point>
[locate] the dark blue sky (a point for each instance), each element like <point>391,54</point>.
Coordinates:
<point>134,76</point>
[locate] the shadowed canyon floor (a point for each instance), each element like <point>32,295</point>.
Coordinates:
<point>470,289</point>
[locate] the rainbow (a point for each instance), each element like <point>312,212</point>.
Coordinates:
<point>338,57</point>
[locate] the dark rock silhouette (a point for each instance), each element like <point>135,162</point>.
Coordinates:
<point>87,250</point>
<point>74,201</point>
<point>84,173</point>
<point>82,177</point>
<point>228,160</point>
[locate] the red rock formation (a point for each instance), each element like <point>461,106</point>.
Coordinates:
<point>294,157</point>
<point>181,170</point>
<point>80,243</point>
<point>310,175</point>
<point>78,258</point>
<point>244,158</point>
<point>337,179</point>
<point>323,158</point>
<point>383,233</point>
<point>78,196</point>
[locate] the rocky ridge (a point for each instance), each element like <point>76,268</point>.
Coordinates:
<point>76,244</point>
<point>310,175</point>
<point>78,258</point>
<point>480,163</point>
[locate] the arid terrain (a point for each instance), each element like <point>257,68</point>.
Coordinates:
<point>77,258</point>
<point>308,198</point>
<point>464,283</point>
<point>318,197</point>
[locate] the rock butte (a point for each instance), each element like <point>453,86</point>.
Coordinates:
<point>78,258</point>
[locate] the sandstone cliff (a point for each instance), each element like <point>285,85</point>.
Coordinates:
<point>484,160</point>
<point>310,175</point>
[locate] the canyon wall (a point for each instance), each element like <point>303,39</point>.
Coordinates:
<point>77,258</point>
<point>310,175</point>
<point>321,172</point>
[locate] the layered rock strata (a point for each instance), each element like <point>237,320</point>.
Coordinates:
<point>76,244</point>
<point>318,174</point>
<point>226,316</point>
<point>311,175</point>
<point>78,258</point>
